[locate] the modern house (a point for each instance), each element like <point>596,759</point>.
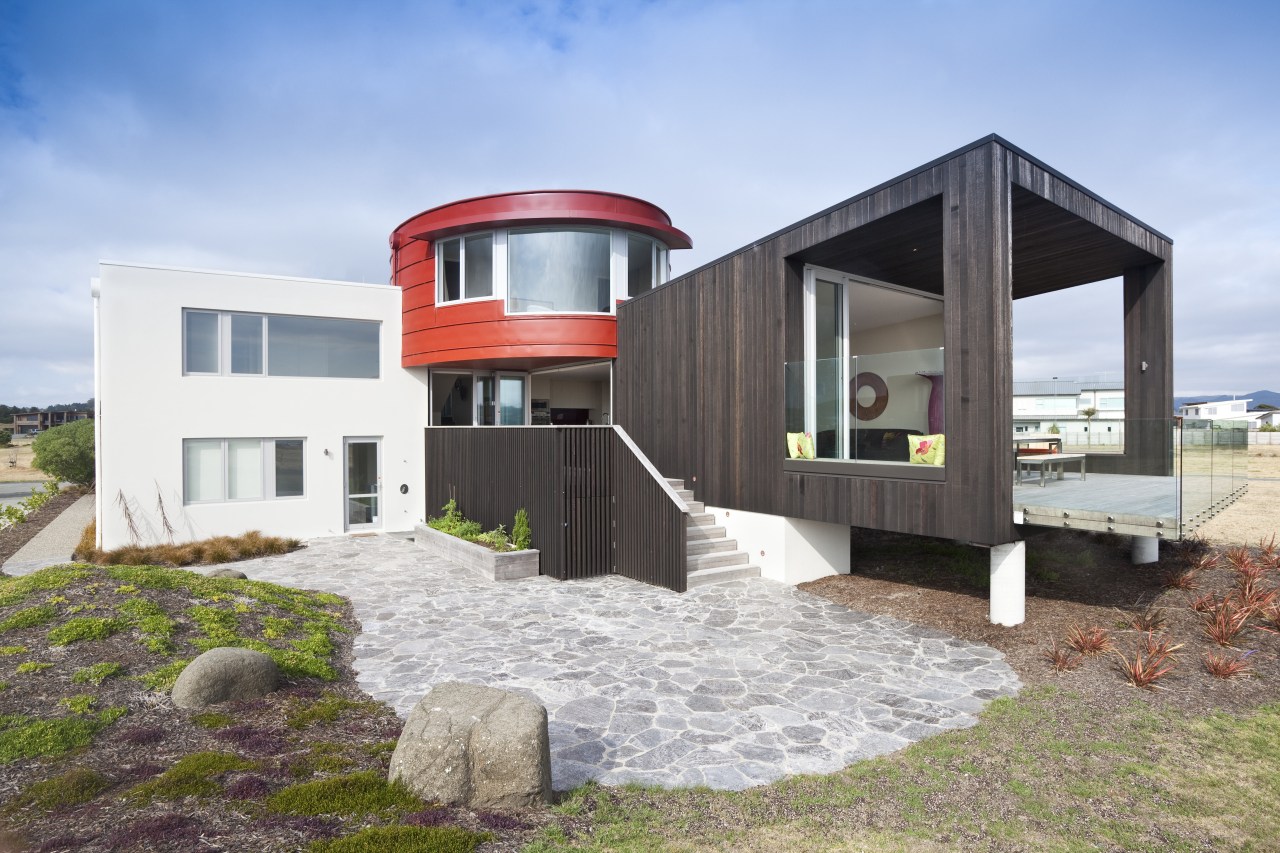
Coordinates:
<point>31,423</point>
<point>1059,405</point>
<point>852,369</point>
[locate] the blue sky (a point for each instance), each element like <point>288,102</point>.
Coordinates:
<point>291,138</point>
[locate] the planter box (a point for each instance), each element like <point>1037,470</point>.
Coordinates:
<point>504,566</point>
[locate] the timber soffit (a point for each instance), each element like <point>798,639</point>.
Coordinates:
<point>986,140</point>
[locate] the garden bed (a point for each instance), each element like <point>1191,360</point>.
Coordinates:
<point>495,565</point>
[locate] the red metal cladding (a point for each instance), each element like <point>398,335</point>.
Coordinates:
<point>481,333</point>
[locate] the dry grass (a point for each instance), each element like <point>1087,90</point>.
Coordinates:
<point>21,453</point>
<point>219,549</point>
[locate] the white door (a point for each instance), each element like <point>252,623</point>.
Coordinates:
<point>363,482</point>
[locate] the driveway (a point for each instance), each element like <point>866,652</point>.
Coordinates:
<point>728,685</point>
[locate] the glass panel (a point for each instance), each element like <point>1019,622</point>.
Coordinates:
<point>289,468</point>
<point>511,393</point>
<point>244,468</point>
<point>639,265</point>
<point>202,342</point>
<point>892,395</point>
<point>319,346</point>
<point>829,377</point>
<point>362,468</point>
<point>362,482</point>
<point>246,343</point>
<point>451,399</point>
<point>362,510</point>
<point>487,401</point>
<point>479,275</point>
<point>449,268</point>
<point>202,470</point>
<point>558,271</point>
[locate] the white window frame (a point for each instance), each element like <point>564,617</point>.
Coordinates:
<point>224,343</point>
<point>499,236</point>
<point>268,450</point>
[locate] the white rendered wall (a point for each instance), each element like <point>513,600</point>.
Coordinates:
<point>146,407</point>
<point>790,550</point>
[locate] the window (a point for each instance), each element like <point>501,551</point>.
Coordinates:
<point>465,268</point>
<point>563,270</point>
<point>233,344</point>
<point>641,267</point>
<point>241,469</point>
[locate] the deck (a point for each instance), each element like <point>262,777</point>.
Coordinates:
<point>1116,503</point>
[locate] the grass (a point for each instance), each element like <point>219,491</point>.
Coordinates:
<point>97,673</point>
<point>1071,779</point>
<point>76,786</point>
<point>214,551</point>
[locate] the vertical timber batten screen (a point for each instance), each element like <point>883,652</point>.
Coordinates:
<point>594,506</point>
<point>651,528</point>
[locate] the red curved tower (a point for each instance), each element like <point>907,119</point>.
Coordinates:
<point>526,280</point>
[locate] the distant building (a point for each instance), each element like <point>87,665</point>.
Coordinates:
<point>1041,404</point>
<point>34,422</point>
<point>1216,411</point>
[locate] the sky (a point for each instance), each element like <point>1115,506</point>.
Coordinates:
<point>291,138</point>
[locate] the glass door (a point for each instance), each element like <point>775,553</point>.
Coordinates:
<point>826,357</point>
<point>363,482</point>
<point>511,395</point>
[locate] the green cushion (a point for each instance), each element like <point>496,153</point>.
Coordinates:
<point>927,449</point>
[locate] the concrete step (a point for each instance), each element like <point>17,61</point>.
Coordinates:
<point>675,484</point>
<point>695,547</point>
<point>700,519</point>
<point>694,532</point>
<point>685,494</point>
<point>716,558</point>
<point>720,574</point>
<point>696,506</point>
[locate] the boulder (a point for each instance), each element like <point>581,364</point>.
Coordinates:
<point>476,746</point>
<point>220,675</point>
<point>224,572</point>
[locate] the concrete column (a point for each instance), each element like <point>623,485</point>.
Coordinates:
<point>1009,584</point>
<point>1146,549</point>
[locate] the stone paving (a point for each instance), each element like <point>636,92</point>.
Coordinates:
<point>728,685</point>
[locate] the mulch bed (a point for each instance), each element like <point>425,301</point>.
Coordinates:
<point>1073,579</point>
<point>13,538</point>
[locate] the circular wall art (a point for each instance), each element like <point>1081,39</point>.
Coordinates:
<point>879,396</point>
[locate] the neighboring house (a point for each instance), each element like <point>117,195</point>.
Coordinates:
<point>34,422</point>
<point>1215,411</point>
<point>807,383</point>
<point>1041,405</point>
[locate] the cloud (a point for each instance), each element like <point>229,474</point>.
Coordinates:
<point>291,138</point>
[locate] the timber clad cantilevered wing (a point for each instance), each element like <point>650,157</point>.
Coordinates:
<point>700,370</point>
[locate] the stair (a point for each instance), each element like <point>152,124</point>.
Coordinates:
<point>711,557</point>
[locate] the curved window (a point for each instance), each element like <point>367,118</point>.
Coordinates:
<point>561,270</point>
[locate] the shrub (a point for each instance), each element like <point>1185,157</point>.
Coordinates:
<point>356,794</point>
<point>97,673</point>
<point>6,436</point>
<point>1184,579</point>
<point>495,539</point>
<point>1063,660</point>
<point>72,788</point>
<point>1089,641</point>
<point>455,523</point>
<point>66,452</point>
<point>1225,621</point>
<point>405,839</point>
<point>28,737</point>
<point>1148,620</point>
<point>1153,659</point>
<point>521,535</point>
<point>84,628</point>
<point>193,776</point>
<point>1227,666</point>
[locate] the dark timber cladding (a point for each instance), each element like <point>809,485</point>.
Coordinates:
<point>593,507</point>
<point>699,381</point>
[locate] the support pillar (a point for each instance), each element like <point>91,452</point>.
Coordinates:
<point>1009,583</point>
<point>1146,549</point>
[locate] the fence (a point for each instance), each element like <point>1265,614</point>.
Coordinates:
<point>596,505</point>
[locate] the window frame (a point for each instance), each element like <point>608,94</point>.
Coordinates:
<point>497,235</point>
<point>269,486</point>
<point>224,343</point>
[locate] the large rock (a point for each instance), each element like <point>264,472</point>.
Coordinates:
<point>224,572</point>
<point>475,746</point>
<point>220,675</point>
